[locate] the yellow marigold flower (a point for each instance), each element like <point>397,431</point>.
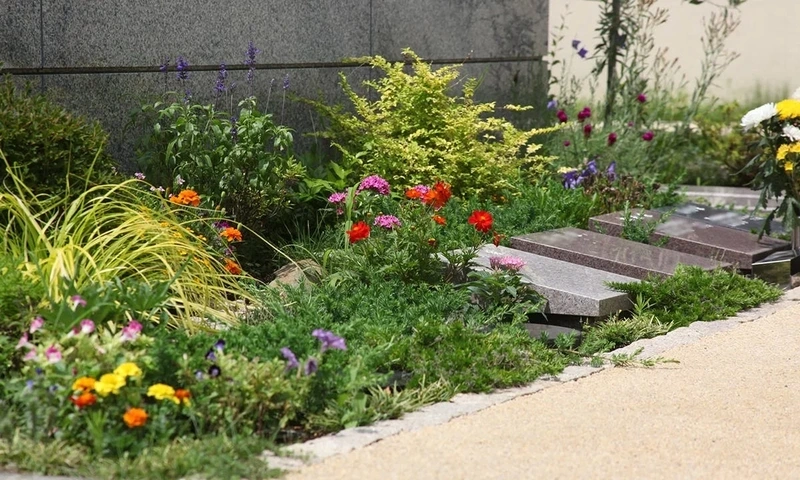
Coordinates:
<point>128,369</point>
<point>159,391</point>
<point>788,167</point>
<point>109,383</point>
<point>788,109</point>
<point>785,150</point>
<point>84,384</point>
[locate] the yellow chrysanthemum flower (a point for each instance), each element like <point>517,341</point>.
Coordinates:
<point>128,369</point>
<point>788,109</point>
<point>788,167</point>
<point>159,391</point>
<point>84,384</point>
<point>109,383</point>
<point>785,150</point>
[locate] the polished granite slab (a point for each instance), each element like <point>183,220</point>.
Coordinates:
<point>570,289</point>
<point>722,217</point>
<point>687,235</point>
<point>609,253</point>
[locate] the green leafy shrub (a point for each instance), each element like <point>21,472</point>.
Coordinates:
<point>243,164</point>
<point>693,295</point>
<point>46,145</point>
<point>414,132</point>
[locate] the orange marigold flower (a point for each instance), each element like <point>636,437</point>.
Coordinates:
<point>183,395</point>
<point>232,267</point>
<point>231,234</point>
<point>84,384</point>
<point>438,196</point>
<point>439,219</point>
<point>186,197</point>
<point>360,231</point>
<point>482,220</point>
<point>135,417</point>
<point>84,400</point>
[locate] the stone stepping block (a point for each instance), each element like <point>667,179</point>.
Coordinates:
<point>722,217</point>
<point>551,332</point>
<point>608,253</point>
<point>703,239</point>
<point>570,289</point>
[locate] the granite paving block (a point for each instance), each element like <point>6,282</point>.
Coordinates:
<point>740,196</point>
<point>696,237</point>
<point>20,35</point>
<point>467,28</point>
<point>722,217</point>
<point>612,254</point>
<point>144,32</point>
<point>570,289</point>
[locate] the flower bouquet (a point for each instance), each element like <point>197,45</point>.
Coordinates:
<point>779,127</point>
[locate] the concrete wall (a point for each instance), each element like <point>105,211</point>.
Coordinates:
<point>766,40</point>
<point>117,46</point>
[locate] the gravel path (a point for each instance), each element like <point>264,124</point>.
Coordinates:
<point>729,410</point>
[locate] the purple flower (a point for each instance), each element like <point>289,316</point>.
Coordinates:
<point>311,366</point>
<point>164,66</point>
<point>630,124</point>
<point>183,68</point>
<point>506,262</point>
<point>337,197</point>
<point>29,385</point>
<point>562,116</point>
<point>387,221</point>
<point>612,138</point>
<point>77,301</point>
<point>286,82</point>
<point>221,76</point>
<point>648,136</point>
<point>87,326</point>
<point>422,189</point>
<point>641,98</point>
<point>250,60</point>
<point>130,332</point>
<point>31,355</point>
<point>234,130</point>
<point>611,171</point>
<point>375,183</point>
<point>219,345</point>
<point>211,356</point>
<point>291,359</point>
<point>576,44</point>
<point>584,114</point>
<point>198,374</point>
<point>53,354</point>
<point>329,340</point>
<point>214,371</point>
<point>571,179</point>
<point>221,225</point>
<point>591,168</point>
<point>552,104</point>
<point>567,143</point>
<point>157,189</point>
<point>583,52</point>
<point>587,130</point>
<point>139,175</point>
<point>36,324</point>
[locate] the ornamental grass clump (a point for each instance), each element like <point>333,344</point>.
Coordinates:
<point>121,231</point>
<point>415,130</point>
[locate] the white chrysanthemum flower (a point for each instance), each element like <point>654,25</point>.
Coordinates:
<point>796,94</point>
<point>758,115</point>
<point>791,132</point>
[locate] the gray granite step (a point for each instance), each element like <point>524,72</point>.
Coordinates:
<point>687,235</point>
<point>722,217</point>
<point>608,253</point>
<point>570,289</point>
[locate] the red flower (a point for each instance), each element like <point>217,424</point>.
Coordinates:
<point>587,130</point>
<point>648,136</point>
<point>439,219</point>
<point>562,116</point>
<point>641,98</point>
<point>612,138</point>
<point>232,267</point>
<point>360,231</point>
<point>497,238</point>
<point>482,220</point>
<point>83,400</point>
<point>413,194</point>
<point>438,196</point>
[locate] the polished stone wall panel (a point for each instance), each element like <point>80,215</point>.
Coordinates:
<point>20,44</point>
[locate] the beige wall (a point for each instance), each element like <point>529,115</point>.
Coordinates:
<point>767,41</point>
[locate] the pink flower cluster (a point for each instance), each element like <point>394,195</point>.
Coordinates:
<point>376,184</point>
<point>387,221</point>
<point>506,262</point>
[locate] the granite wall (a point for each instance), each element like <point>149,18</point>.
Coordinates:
<point>101,58</point>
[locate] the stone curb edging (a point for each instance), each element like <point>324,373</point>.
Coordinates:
<point>313,451</point>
